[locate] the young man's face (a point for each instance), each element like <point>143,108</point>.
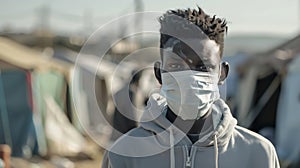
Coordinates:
<point>193,54</point>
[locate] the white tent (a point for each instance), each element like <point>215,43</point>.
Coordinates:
<point>288,114</point>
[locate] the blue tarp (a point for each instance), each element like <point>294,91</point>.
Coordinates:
<point>16,117</point>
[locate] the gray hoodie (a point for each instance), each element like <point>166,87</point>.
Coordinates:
<point>157,143</point>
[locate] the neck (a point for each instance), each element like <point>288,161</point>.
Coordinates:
<point>187,126</point>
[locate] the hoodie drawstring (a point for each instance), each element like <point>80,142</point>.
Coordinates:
<point>172,152</point>
<point>216,151</point>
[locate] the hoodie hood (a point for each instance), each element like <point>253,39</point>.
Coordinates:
<point>154,120</point>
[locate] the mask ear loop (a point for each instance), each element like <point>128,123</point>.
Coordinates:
<point>220,73</point>
<point>222,87</point>
<point>220,70</point>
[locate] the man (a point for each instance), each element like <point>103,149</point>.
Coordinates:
<point>187,124</point>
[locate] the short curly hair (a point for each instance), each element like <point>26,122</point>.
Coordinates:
<point>183,22</point>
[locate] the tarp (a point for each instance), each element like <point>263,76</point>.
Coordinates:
<point>49,83</point>
<point>232,78</point>
<point>270,98</point>
<point>260,85</point>
<point>16,123</point>
<point>63,138</point>
<point>50,78</point>
<point>288,115</point>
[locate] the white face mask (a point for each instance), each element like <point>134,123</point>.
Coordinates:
<point>190,94</point>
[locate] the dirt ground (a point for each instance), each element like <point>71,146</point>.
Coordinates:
<point>91,158</point>
<point>52,163</point>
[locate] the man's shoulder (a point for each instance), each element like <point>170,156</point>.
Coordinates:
<point>133,137</point>
<point>252,139</point>
<point>138,142</point>
<point>260,149</point>
<point>135,133</point>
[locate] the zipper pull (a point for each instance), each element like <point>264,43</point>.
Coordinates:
<point>188,162</point>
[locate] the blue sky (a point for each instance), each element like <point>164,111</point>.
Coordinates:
<point>257,16</point>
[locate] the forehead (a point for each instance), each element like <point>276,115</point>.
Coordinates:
<point>192,49</point>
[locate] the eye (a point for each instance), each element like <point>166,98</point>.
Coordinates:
<point>175,66</point>
<point>206,68</point>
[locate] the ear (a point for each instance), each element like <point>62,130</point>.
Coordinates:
<point>224,72</point>
<point>157,71</point>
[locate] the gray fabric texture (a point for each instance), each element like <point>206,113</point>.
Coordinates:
<point>158,143</point>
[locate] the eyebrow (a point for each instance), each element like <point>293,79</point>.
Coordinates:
<point>205,60</point>
<point>176,57</point>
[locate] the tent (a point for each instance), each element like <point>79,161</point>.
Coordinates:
<point>30,81</point>
<point>109,80</point>
<point>261,104</point>
<point>17,127</point>
<point>288,114</point>
<point>97,105</point>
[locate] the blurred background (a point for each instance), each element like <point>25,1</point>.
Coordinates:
<point>49,116</point>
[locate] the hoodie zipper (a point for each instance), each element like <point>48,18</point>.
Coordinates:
<point>188,162</point>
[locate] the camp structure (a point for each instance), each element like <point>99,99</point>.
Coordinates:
<point>35,102</point>
<point>95,83</point>
<point>90,92</point>
<point>104,87</point>
<point>228,89</point>
<point>269,97</point>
